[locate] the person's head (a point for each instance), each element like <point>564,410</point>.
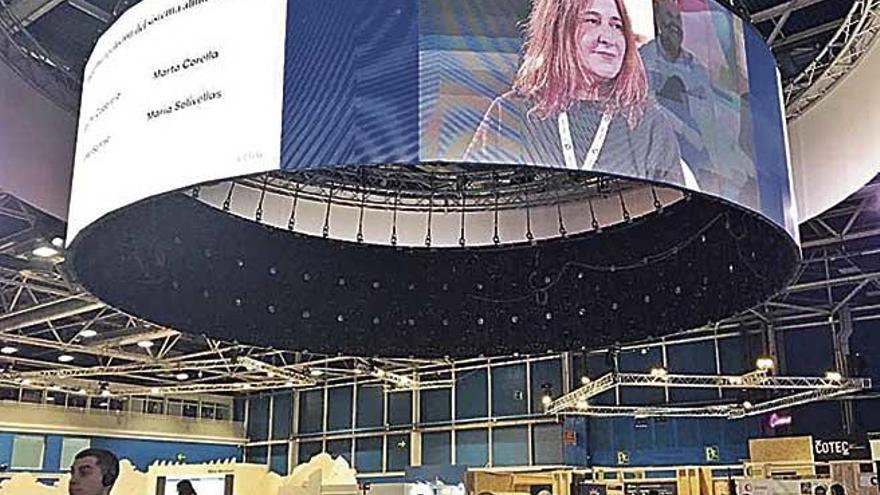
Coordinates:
<point>667,22</point>
<point>820,490</point>
<point>837,489</point>
<point>582,49</point>
<point>94,472</point>
<point>185,488</point>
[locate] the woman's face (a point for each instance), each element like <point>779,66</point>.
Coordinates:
<point>601,40</point>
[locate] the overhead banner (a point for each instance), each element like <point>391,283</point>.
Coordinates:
<point>679,92</point>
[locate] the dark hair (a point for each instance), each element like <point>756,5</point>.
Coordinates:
<point>838,489</point>
<point>185,487</point>
<point>106,460</point>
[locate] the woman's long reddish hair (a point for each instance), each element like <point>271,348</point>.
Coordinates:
<point>554,76</point>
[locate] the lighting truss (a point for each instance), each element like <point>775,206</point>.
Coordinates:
<point>807,389</point>
<point>292,375</point>
<point>852,39</point>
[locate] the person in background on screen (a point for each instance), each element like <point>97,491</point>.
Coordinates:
<point>580,99</point>
<point>838,489</point>
<point>185,488</point>
<point>94,472</point>
<point>682,86</point>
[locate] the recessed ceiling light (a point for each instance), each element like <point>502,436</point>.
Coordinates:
<point>65,358</point>
<point>88,333</point>
<point>9,350</point>
<point>45,252</point>
<point>182,376</point>
<point>145,344</point>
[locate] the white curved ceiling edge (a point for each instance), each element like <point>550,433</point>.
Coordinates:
<point>835,145</point>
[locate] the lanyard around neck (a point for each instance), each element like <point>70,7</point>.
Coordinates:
<point>595,147</point>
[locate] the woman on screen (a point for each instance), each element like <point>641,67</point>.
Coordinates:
<point>185,487</point>
<point>580,99</point>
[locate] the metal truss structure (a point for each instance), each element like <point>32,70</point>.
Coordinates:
<point>854,37</point>
<point>44,315</point>
<point>797,390</point>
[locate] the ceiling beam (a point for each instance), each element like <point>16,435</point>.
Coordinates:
<point>29,11</point>
<point>781,9</point>
<point>806,34</point>
<point>50,311</point>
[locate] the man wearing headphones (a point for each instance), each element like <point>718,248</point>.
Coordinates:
<point>94,472</point>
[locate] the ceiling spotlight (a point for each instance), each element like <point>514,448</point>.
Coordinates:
<point>834,376</point>
<point>88,333</point>
<point>45,252</point>
<point>546,399</point>
<point>316,372</point>
<point>182,376</point>
<point>145,344</point>
<point>65,358</point>
<point>582,405</point>
<point>644,351</point>
<point>549,315</point>
<point>747,405</point>
<point>765,363</point>
<point>585,380</point>
<point>58,242</point>
<point>8,349</point>
<point>659,372</point>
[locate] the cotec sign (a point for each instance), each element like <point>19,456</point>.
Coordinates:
<point>834,448</point>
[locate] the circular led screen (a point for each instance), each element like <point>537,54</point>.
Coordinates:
<point>540,173</point>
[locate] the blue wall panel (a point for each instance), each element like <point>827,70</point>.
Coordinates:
<point>339,400</point>
<point>142,453</point>
<point>509,390</point>
<point>472,447</point>
<point>472,394</point>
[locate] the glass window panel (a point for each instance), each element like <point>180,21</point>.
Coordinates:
<point>472,394</point>
<point>282,415</point>
<point>368,455</point>
<point>510,447</point>
<point>436,448</point>
<point>258,418</point>
<point>400,408</point>
<point>339,408</point>
<point>27,452</point>
<point>311,411</point>
<point>340,448</point>
<point>278,459</point>
<point>696,357</point>
<point>307,450</point>
<point>509,390</point>
<point>257,455</point>
<point>70,446</point>
<point>472,447</point>
<point>810,351</point>
<point>369,406</point>
<point>547,446</point>
<point>398,452</point>
<point>238,407</point>
<point>545,375</point>
<point>436,405</point>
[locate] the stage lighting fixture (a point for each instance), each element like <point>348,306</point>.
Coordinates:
<point>316,372</point>
<point>58,242</point>
<point>88,333</point>
<point>585,380</point>
<point>65,358</point>
<point>45,252</point>
<point>181,376</point>
<point>659,372</point>
<point>747,405</point>
<point>145,344</point>
<point>8,350</point>
<point>833,376</point>
<point>765,363</point>
<point>582,405</point>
